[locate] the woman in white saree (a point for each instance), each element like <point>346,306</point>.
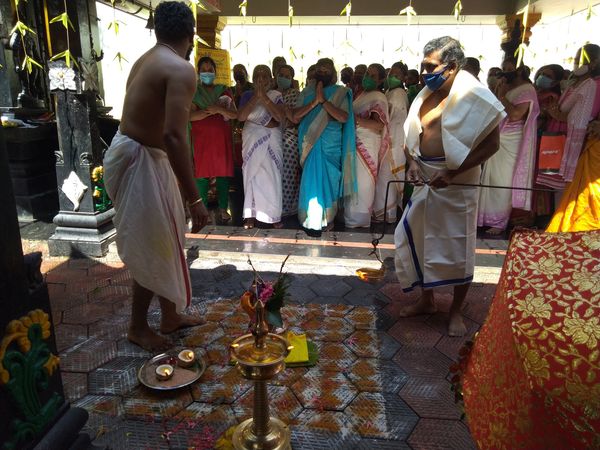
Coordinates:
<point>372,145</point>
<point>262,111</point>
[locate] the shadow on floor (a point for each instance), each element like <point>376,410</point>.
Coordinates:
<point>381,382</point>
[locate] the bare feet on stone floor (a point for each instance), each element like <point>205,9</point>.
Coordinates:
<point>456,326</point>
<point>148,339</point>
<point>179,321</point>
<point>423,306</point>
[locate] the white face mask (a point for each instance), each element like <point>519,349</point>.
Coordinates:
<point>581,70</point>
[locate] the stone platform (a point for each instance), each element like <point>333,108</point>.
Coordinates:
<point>381,382</point>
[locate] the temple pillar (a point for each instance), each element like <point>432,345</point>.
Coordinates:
<point>84,223</point>
<point>512,29</point>
<point>209,28</point>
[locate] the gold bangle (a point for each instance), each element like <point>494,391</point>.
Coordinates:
<point>195,202</point>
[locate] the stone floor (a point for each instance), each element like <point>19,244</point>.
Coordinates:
<point>380,383</point>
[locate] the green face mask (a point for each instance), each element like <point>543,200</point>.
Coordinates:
<point>392,83</point>
<point>368,83</point>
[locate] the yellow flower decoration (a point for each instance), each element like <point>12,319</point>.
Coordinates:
<point>583,331</point>
<point>17,330</point>
<point>225,442</point>
<point>534,306</point>
<point>97,173</point>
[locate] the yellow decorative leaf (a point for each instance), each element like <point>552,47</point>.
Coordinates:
<point>457,10</point>
<point>243,8</point>
<point>594,355</point>
<point>21,28</point>
<point>584,58</point>
<point>64,19</point>
<point>202,41</point>
<point>409,11</point>
<point>520,53</point>
<point>347,10</point>
<point>590,12</point>
<point>28,63</point>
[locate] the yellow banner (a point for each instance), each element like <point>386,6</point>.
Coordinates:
<point>223,62</point>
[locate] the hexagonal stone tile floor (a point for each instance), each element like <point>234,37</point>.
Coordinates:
<point>380,382</point>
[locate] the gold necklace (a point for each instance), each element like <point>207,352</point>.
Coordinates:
<point>168,46</point>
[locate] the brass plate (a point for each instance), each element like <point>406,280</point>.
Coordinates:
<point>181,377</point>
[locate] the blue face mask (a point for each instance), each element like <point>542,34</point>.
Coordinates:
<point>207,78</point>
<point>283,83</point>
<point>435,80</point>
<point>544,82</point>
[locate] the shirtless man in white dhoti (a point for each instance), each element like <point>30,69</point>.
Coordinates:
<point>147,161</point>
<point>451,129</point>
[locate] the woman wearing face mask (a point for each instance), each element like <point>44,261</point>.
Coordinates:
<point>393,166</point>
<point>263,112</point>
<point>577,106</point>
<point>514,163</point>
<point>492,78</point>
<point>212,109</point>
<point>291,168</point>
<point>372,146</point>
<point>326,148</point>
<point>547,85</point>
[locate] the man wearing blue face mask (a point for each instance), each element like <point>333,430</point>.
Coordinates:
<point>451,129</point>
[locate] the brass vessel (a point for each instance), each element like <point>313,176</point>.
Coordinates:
<point>260,356</point>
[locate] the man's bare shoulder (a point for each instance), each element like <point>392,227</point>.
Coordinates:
<point>183,71</point>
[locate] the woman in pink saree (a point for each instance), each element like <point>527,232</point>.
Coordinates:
<point>514,163</point>
<point>579,104</point>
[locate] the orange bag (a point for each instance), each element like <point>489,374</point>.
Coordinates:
<point>552,146</point>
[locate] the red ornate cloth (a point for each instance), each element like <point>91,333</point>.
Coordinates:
<point>532,380</point>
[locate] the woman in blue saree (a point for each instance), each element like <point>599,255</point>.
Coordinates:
<point>326,142</point>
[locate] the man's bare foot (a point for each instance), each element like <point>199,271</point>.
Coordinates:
<point>423,306</point>
<point>149,340</point>
<point>456,326</point>
<point>169,325</point>
<point>249,223</point>
<point>278,225</point>
<point>494,231</point>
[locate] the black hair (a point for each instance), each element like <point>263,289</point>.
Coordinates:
<point>472,63</point>
<point>241,66</point>
<point>207,59</point>
<point>557,70</point>
<point>403,67</point>
<point>262,67</point>
<point>449,48</point>
<point>381,73</point>
<point>173,22</point>
<point>413,72</point>
<point>288,67</point>
<point>360,67</point>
